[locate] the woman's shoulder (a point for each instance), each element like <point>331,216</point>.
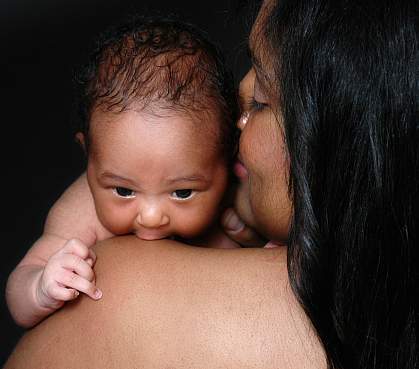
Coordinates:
<point>169,305</point>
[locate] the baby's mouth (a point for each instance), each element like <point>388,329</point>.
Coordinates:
<point>150,235</point>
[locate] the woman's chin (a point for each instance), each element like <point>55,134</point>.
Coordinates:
<point>242,204</point>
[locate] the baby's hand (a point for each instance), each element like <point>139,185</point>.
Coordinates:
<point>66,273</point>
<point>235,228</point>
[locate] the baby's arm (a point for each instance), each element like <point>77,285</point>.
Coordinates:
<point>59,264</point>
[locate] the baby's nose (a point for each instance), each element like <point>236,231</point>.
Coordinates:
<point>151,216</point>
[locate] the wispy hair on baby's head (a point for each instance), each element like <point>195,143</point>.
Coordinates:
<point>159,64</point>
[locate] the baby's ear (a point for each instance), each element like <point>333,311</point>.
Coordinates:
<point>80,140</point>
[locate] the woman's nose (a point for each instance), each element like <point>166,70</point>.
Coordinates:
<point>151,216</point>
<point>241,123</point>
<point>246,91</point>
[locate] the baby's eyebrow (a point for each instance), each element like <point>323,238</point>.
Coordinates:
<point>191,178</point>
<point>109,175</point>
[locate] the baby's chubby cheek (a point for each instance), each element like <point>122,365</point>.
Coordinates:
<point>195,223</point>
<point>115,222</point>
<point>206,211</point>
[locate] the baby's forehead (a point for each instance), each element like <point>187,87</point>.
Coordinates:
<point>165,140</point>
<point>202,127</point>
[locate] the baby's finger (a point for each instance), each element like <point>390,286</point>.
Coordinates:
<point>76,247</point>
<point>239,232</point>
<point>61,293</point>
<point>91,257</point>
<point>78,265</point>
<point>73,280</point>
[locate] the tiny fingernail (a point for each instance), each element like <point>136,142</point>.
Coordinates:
<point>89,261</point>
<point>76,293</point>
<point>98,294</point>
<point>233,222</point>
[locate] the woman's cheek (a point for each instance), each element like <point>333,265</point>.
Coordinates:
<point>273,215</point>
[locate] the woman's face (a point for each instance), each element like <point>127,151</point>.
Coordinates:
<point>262,200</point>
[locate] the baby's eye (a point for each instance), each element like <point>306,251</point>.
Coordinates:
<point>182,194</point>
<point>124,192</point>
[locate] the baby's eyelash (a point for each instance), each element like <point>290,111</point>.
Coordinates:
<point>123,192</point>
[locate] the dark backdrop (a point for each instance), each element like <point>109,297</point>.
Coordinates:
<point>40,43</point>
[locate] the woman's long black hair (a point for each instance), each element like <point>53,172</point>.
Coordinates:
<point>348,85</point>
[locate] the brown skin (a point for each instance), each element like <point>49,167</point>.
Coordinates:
<point>166,305</point>
<point>262,199</point>
<point>152,157</point>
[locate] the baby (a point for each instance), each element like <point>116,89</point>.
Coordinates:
<point>158,109</point>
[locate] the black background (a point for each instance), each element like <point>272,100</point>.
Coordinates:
<point>40,44</point>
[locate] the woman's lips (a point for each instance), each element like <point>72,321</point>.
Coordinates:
<point>240,170</point>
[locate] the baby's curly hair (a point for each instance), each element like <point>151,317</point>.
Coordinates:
<point>157,63</point>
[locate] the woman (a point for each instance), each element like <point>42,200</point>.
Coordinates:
<point>329,165</point>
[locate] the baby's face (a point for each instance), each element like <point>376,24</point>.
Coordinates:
<point>155,176</point>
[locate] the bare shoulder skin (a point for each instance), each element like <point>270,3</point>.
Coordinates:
<point>166,305</point>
